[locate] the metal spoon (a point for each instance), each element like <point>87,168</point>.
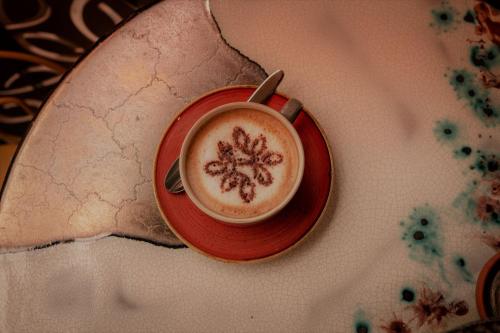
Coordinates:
<point>266,89</point>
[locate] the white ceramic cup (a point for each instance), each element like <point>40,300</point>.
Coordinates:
<point>225,108</point>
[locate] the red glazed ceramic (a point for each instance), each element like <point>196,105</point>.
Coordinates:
<point>253,242</point>
<point>487,288</point>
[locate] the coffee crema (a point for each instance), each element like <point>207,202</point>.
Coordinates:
<point>242,163</point>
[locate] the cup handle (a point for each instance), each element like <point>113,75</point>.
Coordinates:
<point>291,109</point>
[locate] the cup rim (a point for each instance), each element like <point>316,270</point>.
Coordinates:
<point>484,281</point>
<point>224,108</point>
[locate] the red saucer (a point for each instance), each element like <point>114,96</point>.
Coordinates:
<point>261,240</point>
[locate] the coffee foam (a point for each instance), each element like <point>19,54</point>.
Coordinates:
<point>280,159</point>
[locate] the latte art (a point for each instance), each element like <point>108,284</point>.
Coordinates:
<point>242,163</point>
<point>243,152</point>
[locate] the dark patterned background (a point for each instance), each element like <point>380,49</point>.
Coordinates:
<point>40,40</point>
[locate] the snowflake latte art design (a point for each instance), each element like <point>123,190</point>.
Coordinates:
<point>243,152</point>
<point>242,163</point>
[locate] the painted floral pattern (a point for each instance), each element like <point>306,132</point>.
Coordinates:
<point>427,310</point>
<point>234,159</point>
<point>396,325</point>
<point>488,18</point>
<point>431,308</point>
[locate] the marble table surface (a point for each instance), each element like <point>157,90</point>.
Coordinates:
<point>407,94</point>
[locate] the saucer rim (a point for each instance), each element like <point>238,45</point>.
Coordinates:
<point>329,200</point>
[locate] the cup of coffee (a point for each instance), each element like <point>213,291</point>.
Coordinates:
<point>241,163</point>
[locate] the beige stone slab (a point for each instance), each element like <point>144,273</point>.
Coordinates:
<point>85,168</point>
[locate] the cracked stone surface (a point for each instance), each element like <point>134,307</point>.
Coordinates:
<point>85,169</point>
